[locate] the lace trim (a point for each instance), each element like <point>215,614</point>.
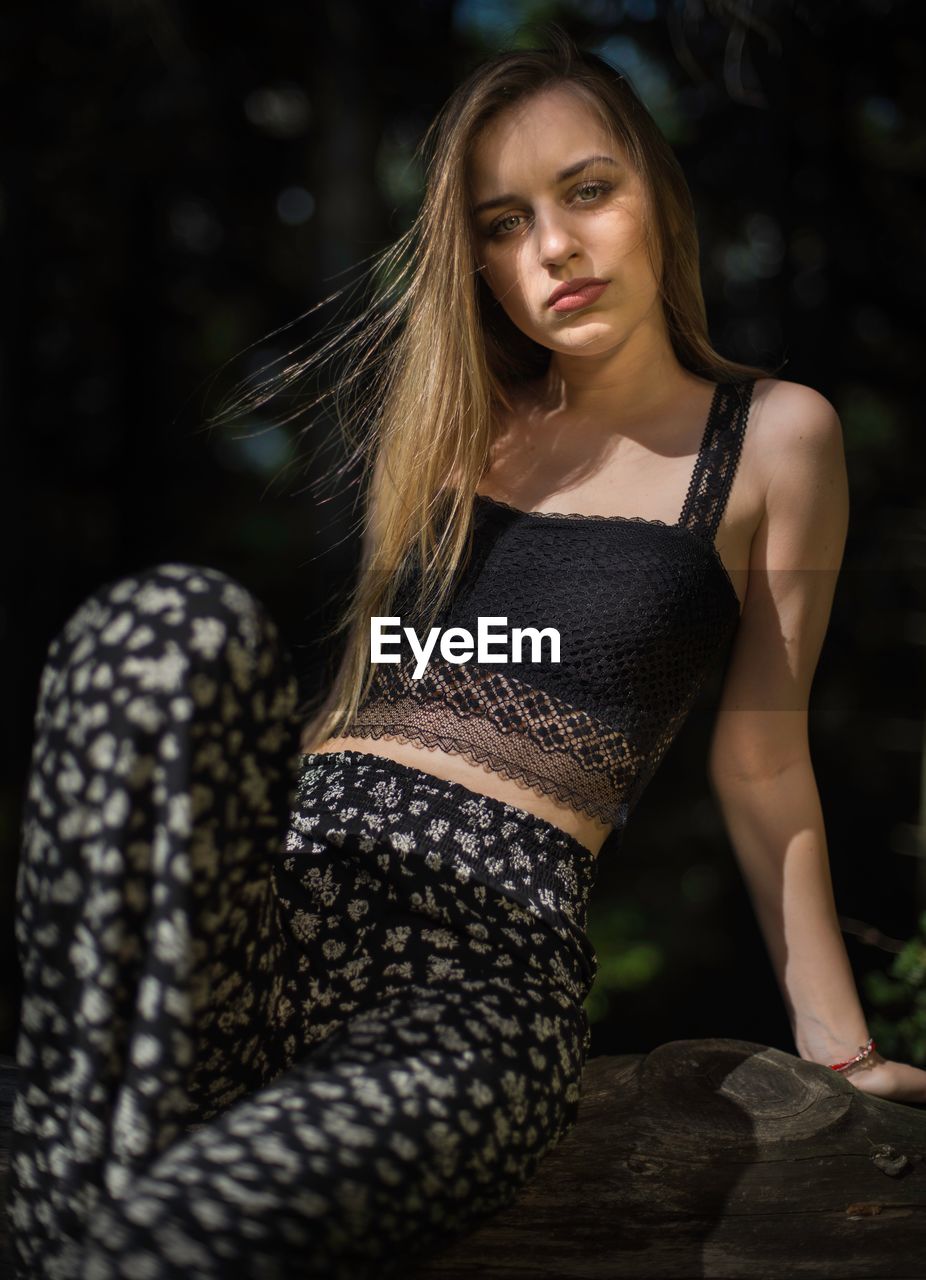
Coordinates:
<point>404,722</point>
<point>712,442</point>
<point>709,486</point>
<point>718,457</point>
<point>522,733</point>
<point>484,757</point>
<point>573,515</point>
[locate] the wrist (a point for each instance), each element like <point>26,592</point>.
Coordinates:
<point>865,1059</point>
<point>827,1048</point>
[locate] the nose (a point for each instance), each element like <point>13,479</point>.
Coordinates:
<point>556,241</point>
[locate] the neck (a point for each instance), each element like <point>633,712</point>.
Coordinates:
<point>621,385</point>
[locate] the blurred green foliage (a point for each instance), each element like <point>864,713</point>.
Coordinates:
<point>899,992</point>
<point>626,961</point>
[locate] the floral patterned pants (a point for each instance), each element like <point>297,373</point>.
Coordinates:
<point>283,1015</point>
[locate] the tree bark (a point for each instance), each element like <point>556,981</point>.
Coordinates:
<point>716,1158</point>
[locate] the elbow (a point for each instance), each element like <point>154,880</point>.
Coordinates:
<point>731,772</point>
<point>749,749</point>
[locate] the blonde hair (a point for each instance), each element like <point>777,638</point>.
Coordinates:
<point>440,356</point>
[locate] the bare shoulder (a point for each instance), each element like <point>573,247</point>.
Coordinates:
<point>801,455</point>
<point>791,423</point>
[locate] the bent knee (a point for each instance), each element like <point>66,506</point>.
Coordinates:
<point>195,613</point>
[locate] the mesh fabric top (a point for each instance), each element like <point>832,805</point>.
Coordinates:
<point>643,608</point>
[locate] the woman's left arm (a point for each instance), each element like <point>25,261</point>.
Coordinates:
<point>760,767</point>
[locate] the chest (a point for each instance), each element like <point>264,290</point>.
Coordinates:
<point>635,605</point>
<point>632,484</point>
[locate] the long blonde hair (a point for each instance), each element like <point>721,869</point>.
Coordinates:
<point>436,356</point>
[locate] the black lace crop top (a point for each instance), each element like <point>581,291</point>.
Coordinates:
<point>643,609</point>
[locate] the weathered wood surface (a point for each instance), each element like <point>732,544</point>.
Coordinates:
<point>703,1158</point>
<point>715,1158</point>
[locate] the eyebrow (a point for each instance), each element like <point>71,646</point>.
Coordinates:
<point>569,172</point>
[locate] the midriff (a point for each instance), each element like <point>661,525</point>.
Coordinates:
<point>590,832</point>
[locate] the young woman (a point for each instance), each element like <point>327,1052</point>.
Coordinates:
<point>306,997</point>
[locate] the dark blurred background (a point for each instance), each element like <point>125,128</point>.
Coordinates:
<point>180,180</point>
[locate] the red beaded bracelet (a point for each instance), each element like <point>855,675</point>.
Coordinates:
<point>865,1051</point>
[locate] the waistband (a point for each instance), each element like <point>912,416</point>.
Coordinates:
<point>503,846</point>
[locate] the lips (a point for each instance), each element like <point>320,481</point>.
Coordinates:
<point>585,296</point>
<point>573,286</point>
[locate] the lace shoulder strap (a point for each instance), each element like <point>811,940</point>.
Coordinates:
<point>717,459</point>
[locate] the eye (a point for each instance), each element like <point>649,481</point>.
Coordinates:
<point>597,188</point>
<point>495,228</point>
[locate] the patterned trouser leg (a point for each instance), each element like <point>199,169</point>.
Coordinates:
<point>252,1052</point>
<point>164,756</point>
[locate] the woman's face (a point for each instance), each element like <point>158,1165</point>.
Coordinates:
<point>549,227</point>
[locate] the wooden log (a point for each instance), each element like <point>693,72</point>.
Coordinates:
<point>707,1158</point>
<point>716,1158</point>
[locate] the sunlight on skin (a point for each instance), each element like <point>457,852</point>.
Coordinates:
<point>613,356</point>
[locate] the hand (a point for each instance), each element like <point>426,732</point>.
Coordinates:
<point>883,1078</point>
